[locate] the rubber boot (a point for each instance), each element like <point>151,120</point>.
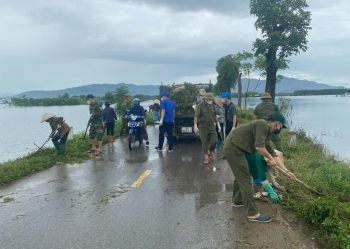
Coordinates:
<point>57,146</point>
<point>62,150</point>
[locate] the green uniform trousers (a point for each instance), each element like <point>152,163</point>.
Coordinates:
<point>277,142</point>
<point>208,137</point>
<point>257,166</point>
<point>242,185</point>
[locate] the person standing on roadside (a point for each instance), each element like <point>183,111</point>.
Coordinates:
<point>126,106</point>
<point>155,111</point>
<point>245,140</point>
<point>218,108</point>
<point>96,126</point>
<point>263,111</point>
<point>109,117</point>
<point>230,114</point>
<point>59,139</point>
<point>204,122</point>
<point>166,122</point>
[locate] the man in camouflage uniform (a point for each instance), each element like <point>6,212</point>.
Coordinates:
<point>96,125</point>
<point>204,123</point>
<point>246,140</point>
<point>263,111</point>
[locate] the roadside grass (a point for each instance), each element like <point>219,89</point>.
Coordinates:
<point>328,215</point>
<point>75,153</point>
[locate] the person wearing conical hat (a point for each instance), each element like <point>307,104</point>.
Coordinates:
<point>263,111</point>
<point>204,122</point>
<point>59,138</point>
<point>155,108</point>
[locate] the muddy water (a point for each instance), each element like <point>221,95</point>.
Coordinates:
<point>324,117</point>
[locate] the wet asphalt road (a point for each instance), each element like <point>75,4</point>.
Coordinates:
<point>180,204</point>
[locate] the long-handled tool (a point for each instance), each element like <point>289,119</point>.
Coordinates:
<point>302,183</point>
<point>87,127</point>
<point>51,135</point>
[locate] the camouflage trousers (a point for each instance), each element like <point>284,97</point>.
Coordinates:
<point>96,131</point>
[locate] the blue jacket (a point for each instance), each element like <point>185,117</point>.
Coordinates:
<point>137,110</point>
<point>109,115</point>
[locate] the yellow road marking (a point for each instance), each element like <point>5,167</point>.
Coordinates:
<point>141,178</point>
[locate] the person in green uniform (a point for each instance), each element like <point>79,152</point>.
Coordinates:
<point>245,140</point>
<point>126,108</point>
<point>96,126</point>
<point>204,123</point>
<point>263,111</point>
<point>59,138</point>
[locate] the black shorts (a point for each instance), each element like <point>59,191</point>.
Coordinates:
<point>110,128</point>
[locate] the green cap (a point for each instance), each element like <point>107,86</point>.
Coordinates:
<point>278,117</point>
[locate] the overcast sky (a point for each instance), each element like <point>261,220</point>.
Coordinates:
<point>55,44</point>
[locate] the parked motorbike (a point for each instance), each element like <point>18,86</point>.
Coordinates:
<point>135,130</point>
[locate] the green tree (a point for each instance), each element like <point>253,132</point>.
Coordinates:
<point>119,94</point>
<point>284,25</point>
<point>65,96</point>
<point>110,97</point>
<point>227,76</point>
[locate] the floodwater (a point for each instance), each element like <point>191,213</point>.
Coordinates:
<point>20,127</point>
<point>323,117</point>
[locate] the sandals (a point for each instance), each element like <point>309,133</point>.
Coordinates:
<point>97,153</point>
<point>261,218</point>
<point>206,160</point>
<point>90,151</point>
<point>211,157</point>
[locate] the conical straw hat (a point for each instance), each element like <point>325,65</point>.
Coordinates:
<point>156,101</point>
<point>218,102</point>
<point>46,116</point>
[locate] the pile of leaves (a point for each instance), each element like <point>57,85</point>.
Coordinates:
<point>184,96</point>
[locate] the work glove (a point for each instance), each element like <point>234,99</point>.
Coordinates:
<point>219,126</point>
<point>196,130</point>
<point>272,180</point>
<point>273,196</point>
<point>104,123</point>
<point>59,126</point>
<point>160,122</point>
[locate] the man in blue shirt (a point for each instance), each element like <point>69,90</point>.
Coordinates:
<point>166,122</point>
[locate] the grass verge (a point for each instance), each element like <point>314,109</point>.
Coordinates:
<point>309,160</point>
<point>75,153</point>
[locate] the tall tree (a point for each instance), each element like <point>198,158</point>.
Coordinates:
<point>119,94</point>
<point>284,25</point>
<point>227,76</point>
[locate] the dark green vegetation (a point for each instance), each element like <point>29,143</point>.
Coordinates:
<point>284,25</point>
<point>46,158</point>
<point>61,100</point>
<point>327,215</point>
<point>112,97</point>
<point>95,89</point>
<point>321,92</point>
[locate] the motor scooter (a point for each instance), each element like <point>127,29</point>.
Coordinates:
<point>135,130</point>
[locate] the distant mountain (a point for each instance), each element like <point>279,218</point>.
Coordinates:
<point>95,89</point>
<point>288,85</point>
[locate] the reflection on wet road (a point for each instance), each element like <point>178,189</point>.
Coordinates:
<point>179,202</point>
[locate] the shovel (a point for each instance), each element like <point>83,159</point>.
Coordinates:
<point>83,138</point>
